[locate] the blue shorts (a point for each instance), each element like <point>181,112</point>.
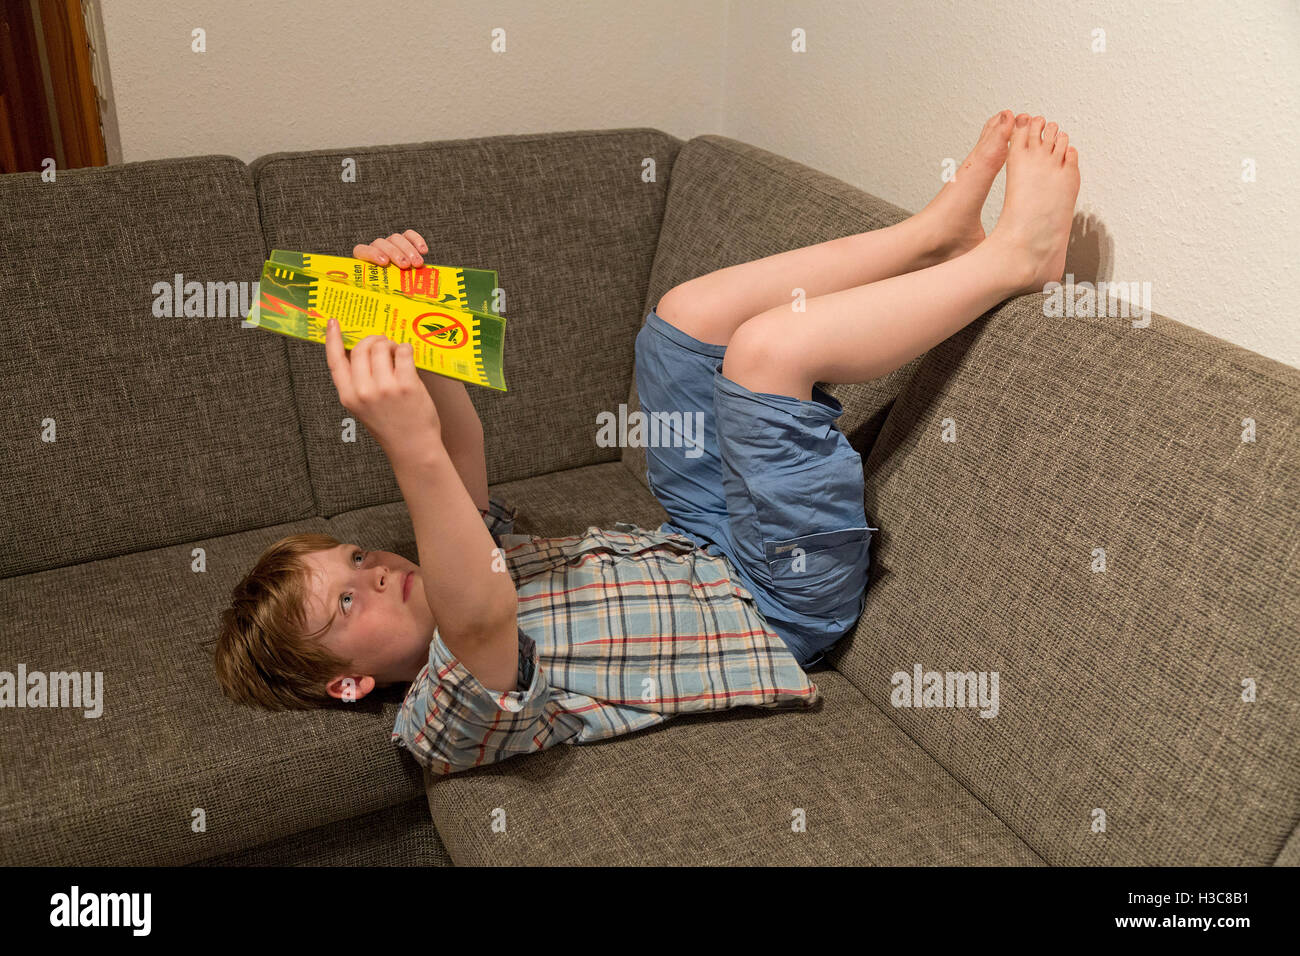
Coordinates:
<point>765,480</point>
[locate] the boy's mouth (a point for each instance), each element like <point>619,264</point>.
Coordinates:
<point>406,585</point>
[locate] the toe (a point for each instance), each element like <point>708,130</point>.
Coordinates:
<point>1020,135</point>
<point>997,130</point>
<point>1072,157</point>
<point>1061,145</point>
<point>1049,135</point>
<point>1036,131</point>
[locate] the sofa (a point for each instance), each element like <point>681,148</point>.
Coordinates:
<point>1100,513</point>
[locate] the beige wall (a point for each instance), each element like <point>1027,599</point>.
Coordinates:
<point>311,74</point>
<point>1164,118</point>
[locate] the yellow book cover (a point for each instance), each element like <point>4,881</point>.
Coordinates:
<point>463,344</point>
<point>460,288</point>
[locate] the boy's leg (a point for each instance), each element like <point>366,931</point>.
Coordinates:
<point>864,333</point>
<point>797,532</point>
<point>712,306</point>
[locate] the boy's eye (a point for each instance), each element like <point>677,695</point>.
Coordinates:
<point>348,597</point>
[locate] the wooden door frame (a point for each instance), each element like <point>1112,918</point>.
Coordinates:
<point>27,137</point>
<point>28,134</point>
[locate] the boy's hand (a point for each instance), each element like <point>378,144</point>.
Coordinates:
<point>404,249</point>
<point>379,385</point>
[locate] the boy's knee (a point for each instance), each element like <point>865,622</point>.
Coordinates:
<point>685,307</point>
<point>759,358</point>
<point>675,304</point>
<point>747,351</point>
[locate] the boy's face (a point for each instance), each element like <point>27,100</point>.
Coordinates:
<point>382,622</point>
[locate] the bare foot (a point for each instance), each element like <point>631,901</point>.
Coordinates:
<point>953,216</point>
<point>1042,184</point>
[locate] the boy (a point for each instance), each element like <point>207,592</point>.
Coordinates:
<point>513,643</point>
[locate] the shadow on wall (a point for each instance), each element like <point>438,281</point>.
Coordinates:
<point>1091,252</point>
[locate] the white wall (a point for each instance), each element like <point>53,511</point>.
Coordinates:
<point>325,74</point>
<point>1163,118</point>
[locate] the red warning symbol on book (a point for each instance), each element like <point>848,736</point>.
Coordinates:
<point>440,330</point>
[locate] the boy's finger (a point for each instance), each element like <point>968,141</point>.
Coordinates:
<point>337,360</point>
<point>381,364</point>
<point>417,240</point>
<point>397,256</point>
<point>404,362</point>
<point>405,245</point>
<point>369,254</point>
<point>361,375</point>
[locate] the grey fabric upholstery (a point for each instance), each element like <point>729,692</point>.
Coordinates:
<point>153,417</point>
<point>728,789</point>
<point>394,836</point>
<point>1120,690</point>
<point>121,788</point>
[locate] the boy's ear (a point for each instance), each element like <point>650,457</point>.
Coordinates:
<point>350,687</point>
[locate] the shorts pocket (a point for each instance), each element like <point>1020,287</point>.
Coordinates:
<point>815,573</point>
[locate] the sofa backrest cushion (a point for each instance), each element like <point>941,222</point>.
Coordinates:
<point>1101,536</point>
<point>731,202</point>
<point>126,431</point>
<point>569,222</point>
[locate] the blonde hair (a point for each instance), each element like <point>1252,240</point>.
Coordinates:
<point>263,655</point>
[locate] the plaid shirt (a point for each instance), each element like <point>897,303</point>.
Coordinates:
<point>618,631</point>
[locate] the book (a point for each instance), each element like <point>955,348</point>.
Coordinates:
<point>472,289</point>
<point>449,337</point>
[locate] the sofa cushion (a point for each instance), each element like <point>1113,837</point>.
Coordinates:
<point>155,419</point>
<point>569,224</point>
<point>869,793</point>
<point>1121,690</point>
<point>119,788</point>
<point>730,202</point>
<point>567,502</point>
<point>727,789</point>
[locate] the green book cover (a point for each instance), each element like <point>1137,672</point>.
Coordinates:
<point>464,344</point>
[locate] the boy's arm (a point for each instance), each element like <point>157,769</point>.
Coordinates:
<point>462,433</point>
<point>474,606</point>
